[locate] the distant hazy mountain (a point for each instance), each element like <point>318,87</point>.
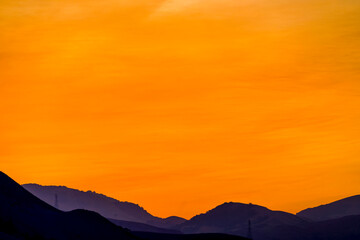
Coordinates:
<point>344,207</point>
<point>233,218</point>
<point>68,199</point>
<point>23,216</point>
<point>170,222</point>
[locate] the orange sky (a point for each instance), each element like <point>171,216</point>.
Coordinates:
<point>181,105</point>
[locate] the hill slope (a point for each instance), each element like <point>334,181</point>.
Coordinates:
<point>24,216</point>
<point>142,227</point>
<point>70,199</point>
<point>345,228</point>
<point>170,222</point>
<point>233,218</point>
<point>341,208</point>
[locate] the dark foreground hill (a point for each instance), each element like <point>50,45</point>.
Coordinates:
<point>4,236</point>
<point>23,216</point>
<point>341,208</point>
<point>205,236</point>
<point>68,199</point>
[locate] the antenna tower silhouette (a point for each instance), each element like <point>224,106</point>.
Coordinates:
<point>249,231</point>
<point>56,201</point>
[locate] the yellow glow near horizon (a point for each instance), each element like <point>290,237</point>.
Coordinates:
<point>182,105</point>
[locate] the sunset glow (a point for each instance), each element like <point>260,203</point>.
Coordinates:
<point>182,105</point>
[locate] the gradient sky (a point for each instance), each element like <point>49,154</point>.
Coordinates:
<point>182,105</point>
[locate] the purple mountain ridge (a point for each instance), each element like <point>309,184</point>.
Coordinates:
<point>341,208</point>
<point>68,199</point>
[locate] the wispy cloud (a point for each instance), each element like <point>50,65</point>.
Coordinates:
<point>174,6</point>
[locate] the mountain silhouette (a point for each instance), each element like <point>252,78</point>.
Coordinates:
<point>233,218</point>
<point>24,216</point>
<point>170,222</point>
<point>68,199</point>
<point>341,208</point>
